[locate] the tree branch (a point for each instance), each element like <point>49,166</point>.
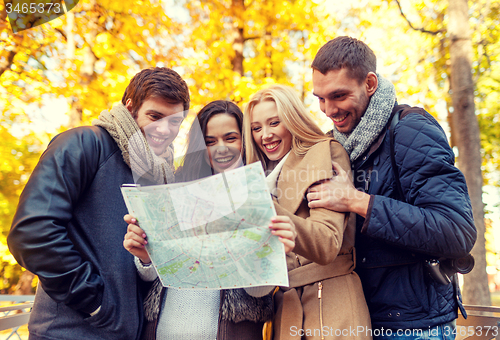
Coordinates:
<point>62,33</point>
<point>5,64</point>
<point>415,28</point>
<point>252,37</point>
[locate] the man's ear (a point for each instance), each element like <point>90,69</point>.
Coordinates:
<point>128,105</point>
<point>371,82</point>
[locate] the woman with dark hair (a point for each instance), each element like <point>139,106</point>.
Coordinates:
<point>214,146</point>
<point>204,155</point>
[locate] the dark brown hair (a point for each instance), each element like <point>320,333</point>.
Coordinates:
<point>346,52</point>
<point>157,82</point>
<point>195,165</point>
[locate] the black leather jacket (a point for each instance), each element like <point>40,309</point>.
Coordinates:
<point>68,230</point>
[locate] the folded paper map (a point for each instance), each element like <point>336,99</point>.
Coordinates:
<point>211,233</point>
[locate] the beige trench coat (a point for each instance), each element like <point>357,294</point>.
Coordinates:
<point>325,299</point>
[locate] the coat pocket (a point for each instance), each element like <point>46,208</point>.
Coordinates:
<point>398,293</point>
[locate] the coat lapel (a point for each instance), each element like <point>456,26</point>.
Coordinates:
<point>300,172</point>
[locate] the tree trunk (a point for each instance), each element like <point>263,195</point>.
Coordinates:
<point>268,41</point>
<point>86,74</point>
<point>238,8</point>
<point>75,115</point>
<point>466,128</point>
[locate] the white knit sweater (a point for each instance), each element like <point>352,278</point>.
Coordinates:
<point>189,314</point>
<point>185,314</point>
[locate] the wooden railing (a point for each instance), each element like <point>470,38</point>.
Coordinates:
<point>16,314</point>
<point>482,323</point>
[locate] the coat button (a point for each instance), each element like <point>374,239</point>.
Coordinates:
<point>398,314</point>
<point>389,315</point>
<point>363,260</point>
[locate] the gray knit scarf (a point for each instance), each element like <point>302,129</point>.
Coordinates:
<point>372,123</point>
<point>143,162</point>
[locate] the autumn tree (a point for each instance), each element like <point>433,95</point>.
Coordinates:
<point>224,49</point>
<point>239,45</point>
<point>227,49</point>
<point>486,76</point>
<point>17,160</point>
<point>455,48</point>
<point>86,57</point>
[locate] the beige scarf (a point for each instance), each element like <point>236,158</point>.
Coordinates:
<point>143,162</point>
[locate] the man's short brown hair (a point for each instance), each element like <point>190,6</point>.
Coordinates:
<point>346,52</point>
<point>157,82</point>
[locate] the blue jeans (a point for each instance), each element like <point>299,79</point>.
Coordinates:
<point>446,331</point>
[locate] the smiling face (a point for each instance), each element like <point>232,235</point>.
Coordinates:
<point>269,134</point>
<point>343,99</point>
<point>223,140</point>
<point>159,121</point>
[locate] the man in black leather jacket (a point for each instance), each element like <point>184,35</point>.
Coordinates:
<point>394,234</point>
<point>69,228</point>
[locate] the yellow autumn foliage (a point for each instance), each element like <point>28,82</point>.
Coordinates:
<point>225,49</point>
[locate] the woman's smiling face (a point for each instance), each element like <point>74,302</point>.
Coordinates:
<point>269,134</point>
<point>224,142</point>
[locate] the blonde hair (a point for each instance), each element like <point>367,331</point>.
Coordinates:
<point>292,113</point>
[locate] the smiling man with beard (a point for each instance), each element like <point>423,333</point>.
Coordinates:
<point>396,231</point>
<point>68,228</point>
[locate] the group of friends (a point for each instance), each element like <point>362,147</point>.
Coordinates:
<point>355,245</point>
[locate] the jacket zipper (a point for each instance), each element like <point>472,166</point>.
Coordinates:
<point>320,289</point>
<point>367,181</point>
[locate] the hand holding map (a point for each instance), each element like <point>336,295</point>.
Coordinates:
<point>211,233</point>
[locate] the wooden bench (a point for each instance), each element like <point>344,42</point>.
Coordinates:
<point>14,315</point>
<point>482,323</point>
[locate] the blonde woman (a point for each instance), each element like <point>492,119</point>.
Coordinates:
<point>325,298</point>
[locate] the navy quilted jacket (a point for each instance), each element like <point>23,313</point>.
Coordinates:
<point>395,238</point>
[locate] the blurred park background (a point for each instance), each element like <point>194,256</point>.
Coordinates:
<point>63,73</point>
